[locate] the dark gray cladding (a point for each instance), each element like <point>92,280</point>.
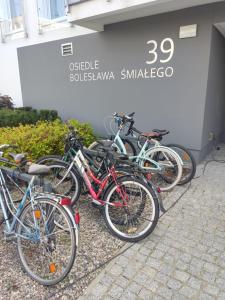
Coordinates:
<point>112,71</point>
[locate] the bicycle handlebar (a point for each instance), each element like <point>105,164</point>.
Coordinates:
<point>6,146</point>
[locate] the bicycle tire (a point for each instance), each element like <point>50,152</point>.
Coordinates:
<point>153,153</point>
<point>48,241</point>
<point>110,222</point>
<point>133,151</point>
<point>45,160</point>
<point>105,143</point>
<point>187,156</point>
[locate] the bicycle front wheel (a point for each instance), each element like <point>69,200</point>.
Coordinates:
<point>47,251</point>
<point>131,209</point>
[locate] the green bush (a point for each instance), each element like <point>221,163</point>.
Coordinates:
<point>43,138</point>
<point>25,115</point>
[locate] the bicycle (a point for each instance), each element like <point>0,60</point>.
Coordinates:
<point>168,162</point>
<point>129,204</point>
<point>98,166</point>
<point>136,141</point>
<point>44,227</point>
<point>69,186</point>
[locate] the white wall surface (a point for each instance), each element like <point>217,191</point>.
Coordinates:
<point>9,76</point>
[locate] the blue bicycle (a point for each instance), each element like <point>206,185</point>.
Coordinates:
<point>42,224</point>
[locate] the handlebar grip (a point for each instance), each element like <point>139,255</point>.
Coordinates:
<point>131,115</point>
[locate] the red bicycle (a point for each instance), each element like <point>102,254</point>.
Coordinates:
<point>129,204</point>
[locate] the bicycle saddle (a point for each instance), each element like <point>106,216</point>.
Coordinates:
<point>18,157</point>
<point>161,131</point>
<point>36,169</point>
<point>150,134</point>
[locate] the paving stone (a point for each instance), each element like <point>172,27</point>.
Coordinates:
<point>154,263</point>
<point>220,283</point>
<point>123,261</point>
<point>141,278</point>
<point>128,296</point>
<point>221,296</point>
<point>157,254</point>
<point>107,280</point>
<point>195,283</point>
<point>204,296</point>
<point>116,291</point>
<point>153,286</point>
<point>182,265</point>
<point>168,259</point>
<point>167,269</point>
<point>162,278</point>
<point>146,294</point>
<point>211,268</point>
<point>212,290</point>
<point>122,281</point>
<point>99,290</point>
<point>134,287</point>
<point>188,291</point>
<point>208,277</point>
<point>182,276</point>
<point>165,292</point>
<point>116,270</point>
<point>150,272</point>
<point>174,284</point>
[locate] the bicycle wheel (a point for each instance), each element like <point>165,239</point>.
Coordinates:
<point>130,148</point>
<point>47,252</point>
<point>189,163</point>
<point>48,159</point>
<point>138,213</point>
<point>103,143</point>
<point>62,183</point>
<point>170,164</point>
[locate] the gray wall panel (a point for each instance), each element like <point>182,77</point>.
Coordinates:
<point>176,103</point>
<point>214,120</point>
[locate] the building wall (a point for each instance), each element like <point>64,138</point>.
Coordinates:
<point>176,103</point>
<point>214,119</point>
<point>9,79</point>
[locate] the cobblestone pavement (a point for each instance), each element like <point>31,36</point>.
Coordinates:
<point>184,258</point>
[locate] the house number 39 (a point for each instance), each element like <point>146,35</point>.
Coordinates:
<point>166,47</point>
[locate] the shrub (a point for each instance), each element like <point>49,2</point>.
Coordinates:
<point>6,102</point>
<point>43,138</point>
<point>26,115</point>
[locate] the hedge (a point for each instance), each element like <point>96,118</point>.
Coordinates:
<point>25,115</point>
<point>44,137</point>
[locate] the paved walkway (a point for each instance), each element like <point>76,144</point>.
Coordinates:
<point>184,258</point>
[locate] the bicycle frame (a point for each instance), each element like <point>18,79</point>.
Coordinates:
<point>33,196</point>
<point>142,154</point>
<point>86,172</point>
<point>10,226</point>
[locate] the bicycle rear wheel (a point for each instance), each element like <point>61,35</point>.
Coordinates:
<point>189,163</point>
<point>47,251</point>
<point>171,167</point>
<point>138,213</point>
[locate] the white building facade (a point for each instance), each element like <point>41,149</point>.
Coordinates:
<point>29,22</point>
